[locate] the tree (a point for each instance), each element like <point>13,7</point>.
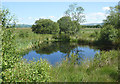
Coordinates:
<point>76,13</point>
<point>108,34</point>
<point>45,26</point>
<point>67,26</point>
<point>113,17</point>
<point>8,20</point>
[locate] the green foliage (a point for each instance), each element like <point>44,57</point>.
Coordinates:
<point>15,70</point>
<point>1,32</point>
<point>95,35</point>
<point>108,34</point>
<point>26,39</point>
<point>76,13</point>
<point>105,58</point>
<point>67,26</point>
<point>92,26</point>
<point>113,17</point>
<point>7,18</point>
<point>28,72</point>
<point>45,26</point>
<point>9,57</point>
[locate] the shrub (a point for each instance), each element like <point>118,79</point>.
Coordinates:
<point>9,56</point>
<point>28,72</point>
<point>105,58</point>
<point>45,26</point>
<point>108,34</point>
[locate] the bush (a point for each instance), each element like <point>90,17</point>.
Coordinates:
<point>108,34</point>
<point>28,72</point>
<point>105,58</point>
<point>67,26</point>
<point>45,26</point>
<point>9,56</point>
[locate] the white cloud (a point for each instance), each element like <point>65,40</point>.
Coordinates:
<point>97,17</point>
<point>106,8</point>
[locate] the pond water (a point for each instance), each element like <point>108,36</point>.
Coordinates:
<point>55,52</point>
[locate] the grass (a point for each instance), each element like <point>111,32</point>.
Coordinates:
<point>88,71</point>
<point>86,35</point>
<point>104,68</point>
<point>26,39</point>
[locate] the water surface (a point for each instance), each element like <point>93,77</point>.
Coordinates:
<point>55,52</point>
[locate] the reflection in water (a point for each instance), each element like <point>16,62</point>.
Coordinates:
<point>56,51</point>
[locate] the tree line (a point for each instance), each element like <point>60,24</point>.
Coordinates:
<point>68,24</point>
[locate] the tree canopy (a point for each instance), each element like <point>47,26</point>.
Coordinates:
<point>76,13</point>
<point>68,26</point>
<point>45,26</point>
<point>113,17</point>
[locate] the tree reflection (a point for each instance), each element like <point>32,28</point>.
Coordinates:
<point>47,48</point>
<point>74,56</point>
<point>51,47</point>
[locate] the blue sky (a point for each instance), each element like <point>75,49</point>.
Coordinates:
<point>28,12</point>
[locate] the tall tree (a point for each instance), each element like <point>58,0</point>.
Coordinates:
<point>76,13</point>
<point>113,17</point>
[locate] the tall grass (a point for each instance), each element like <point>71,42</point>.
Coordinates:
<point>26,39</point>
<point>104,69</point>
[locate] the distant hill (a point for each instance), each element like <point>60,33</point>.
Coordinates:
<point>93,25</point>
<point>23,26</point>
<point>29,26</point>
<point>90,24</point>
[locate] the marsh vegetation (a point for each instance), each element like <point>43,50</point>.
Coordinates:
<point>78,54</point>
